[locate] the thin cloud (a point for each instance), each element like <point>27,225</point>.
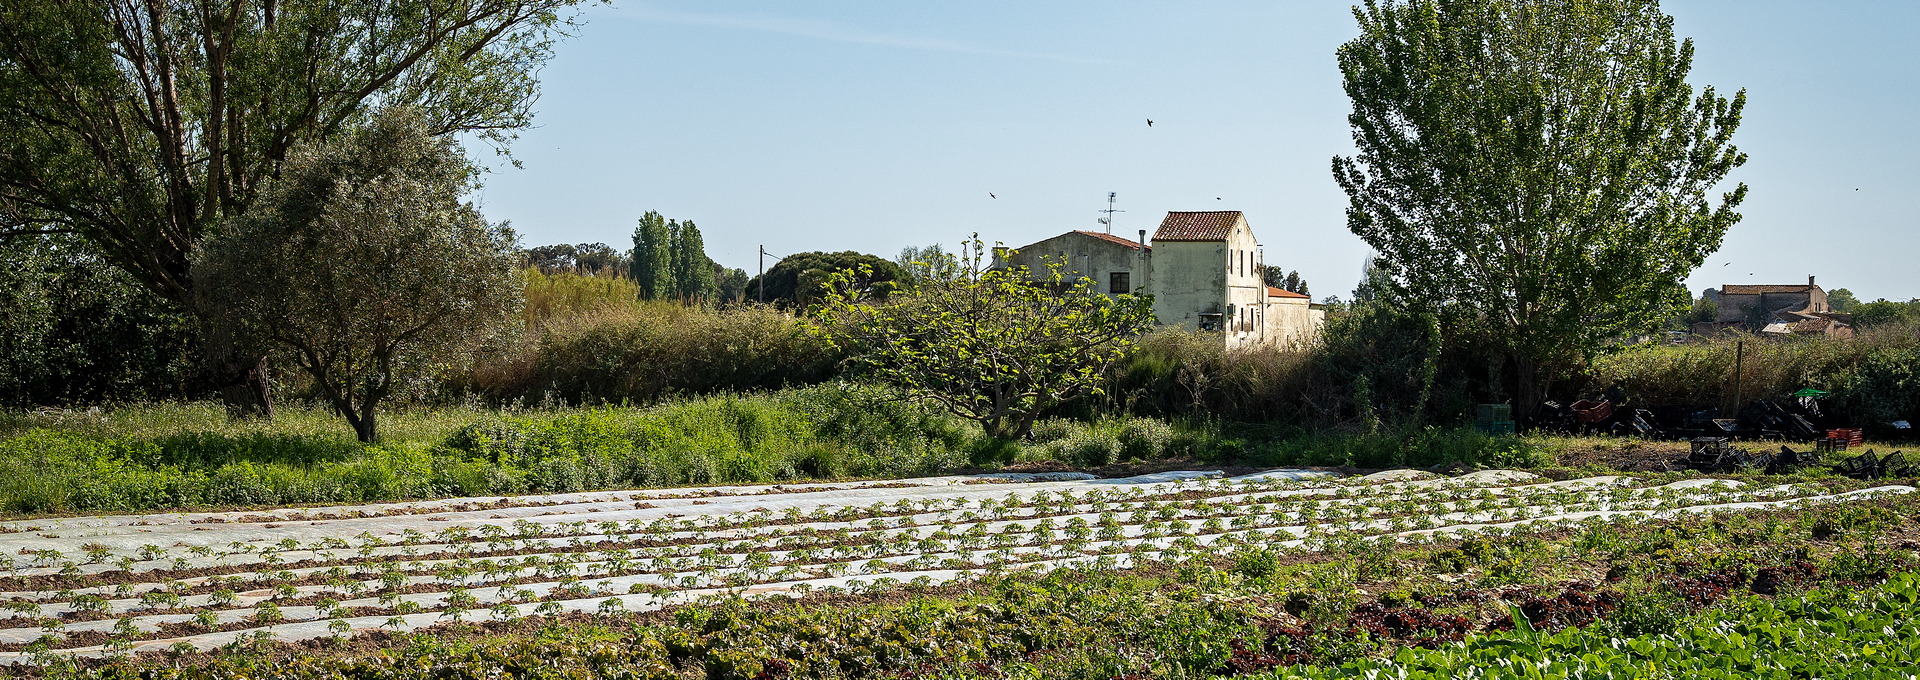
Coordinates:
<point>839,32</point>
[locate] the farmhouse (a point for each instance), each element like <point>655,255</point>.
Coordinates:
<point>1202,268</point>
<point>1778,310</point>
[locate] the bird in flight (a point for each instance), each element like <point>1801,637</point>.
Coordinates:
<point>1216,198</point>
<point>990,195</point>
<point>1149,122</point>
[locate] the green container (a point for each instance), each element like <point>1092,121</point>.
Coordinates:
<point>1493,418</point>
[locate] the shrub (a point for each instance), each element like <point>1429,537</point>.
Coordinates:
<point>1883,388</point>
<point>647,352</point>
<point>1872,376</point>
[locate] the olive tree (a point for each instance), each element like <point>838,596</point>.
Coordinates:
<point>1538,167</point>
<point>142,125</point>
<point>362,261</point>
<point>996,346</point>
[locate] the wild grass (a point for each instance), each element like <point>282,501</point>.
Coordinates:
<point>147,457</point>
<point>188,455</point>
<point>590,340</point>
<point>564,294</point>
<point>1873,379</point>
<point>1704,373</point>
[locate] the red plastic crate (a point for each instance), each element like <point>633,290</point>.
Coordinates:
<point>1853,436</point>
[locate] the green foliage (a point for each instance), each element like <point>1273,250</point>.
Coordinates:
<point>1881,313</point>
<point>1102,442</point>
<point>591,259</point>
<point>670,261</point>
<point>1543,166</point>
<point>800,280</point>
<point>1864,373</point>
<point>1375,366</point>
<point>996,346</point>
<point>144,131</point>
<point>692,271</point>
<point>1278,277</point>
<point>363,263</point>
<point>924,263</point>
<point>1884,387</point>
<point>1842,300</point>
<point>653,257</point>
<point>730,285</point>
<point>1827,633</point>
<point>75,330</point>
<point>167,458</point>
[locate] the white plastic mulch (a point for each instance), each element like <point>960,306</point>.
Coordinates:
<point>202,580</point>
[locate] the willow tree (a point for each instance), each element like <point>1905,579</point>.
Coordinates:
<point>140,125</point>
<point>1541,167</point>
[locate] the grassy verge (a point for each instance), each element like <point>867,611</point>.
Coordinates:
<point>1822,591</point>
<point>150,457</point>
<point>188,456</point>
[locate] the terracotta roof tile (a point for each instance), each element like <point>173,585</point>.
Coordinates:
<point>1109,237</point>
<point>1210,225</point>
<point>1283,293</point>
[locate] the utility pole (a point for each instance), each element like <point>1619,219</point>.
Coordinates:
<point>762,288</point>
<point>1108,220</point>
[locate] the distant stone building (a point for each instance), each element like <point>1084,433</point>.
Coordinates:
<point>1744,303</point>
<point>1202,268</point>
<point>1779,310</point>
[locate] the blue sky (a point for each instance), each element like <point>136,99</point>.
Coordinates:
<point>876,125</point>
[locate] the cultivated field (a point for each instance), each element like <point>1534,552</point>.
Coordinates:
<point>112,585</point>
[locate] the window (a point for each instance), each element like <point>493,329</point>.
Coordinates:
<point>1210,322</point>
<point>1119,282</point>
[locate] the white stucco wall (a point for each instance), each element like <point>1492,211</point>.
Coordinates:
<point>1293,322</point>
<point>1196,278</point>
<point>1189,280</point>
<point>1085,256</point>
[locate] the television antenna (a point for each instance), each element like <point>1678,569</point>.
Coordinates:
<point>1108,220</point>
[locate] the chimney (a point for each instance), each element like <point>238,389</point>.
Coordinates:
<point>1809,280</point>
<point>1143,239</point>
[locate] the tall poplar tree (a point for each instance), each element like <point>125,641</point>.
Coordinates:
<point>653,256</point>
<point>1540,167</point>
<point>693,270</point>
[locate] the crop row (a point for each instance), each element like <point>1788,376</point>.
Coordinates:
<point>327,586</point>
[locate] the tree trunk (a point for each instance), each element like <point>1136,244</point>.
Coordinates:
<point>237,373</point>
<point>1527,389</point>
<point>363,426</point>
<point>243,383</point>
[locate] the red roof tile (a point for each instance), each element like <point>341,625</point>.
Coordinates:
<point>1109,237</point>
<point>1210,225</point>
<point>1282,293</point>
